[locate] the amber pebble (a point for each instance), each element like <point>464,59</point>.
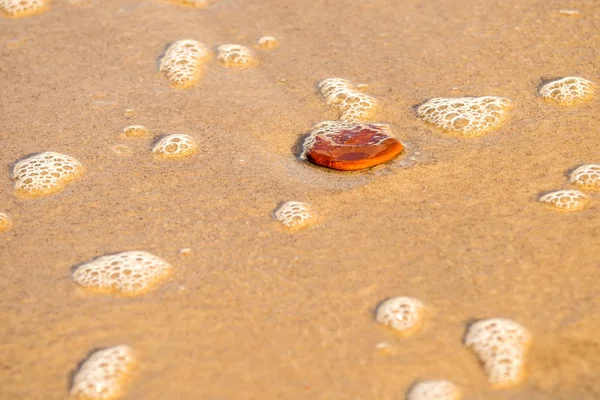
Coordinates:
<point>348,146</point>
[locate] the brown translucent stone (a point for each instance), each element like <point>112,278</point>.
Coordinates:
<point>361,146</point>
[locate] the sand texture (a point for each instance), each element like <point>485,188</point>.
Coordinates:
<point>256,311</point>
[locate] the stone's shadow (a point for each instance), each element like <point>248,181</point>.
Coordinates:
<point>73,372</point>
<point>569,171</point>
<point>12,165</point>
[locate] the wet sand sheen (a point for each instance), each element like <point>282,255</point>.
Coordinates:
<point>255,308</point>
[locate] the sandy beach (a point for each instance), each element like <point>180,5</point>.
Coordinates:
<point>252,310</point>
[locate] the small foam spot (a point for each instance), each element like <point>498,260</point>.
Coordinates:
<point>121,150</point>
<point>569,13</point>
<point>568,91</point>
<point>136,131</point>
<point>5,222</point>
<point>22,8</point>
<point>501,345</point>
<point>235,56</point>
<point>385,348</point>
<point>186,251</point>
<point>587,177</point>
<point>404,314</point>
<point>267,43</point>
<point>129,113</point>
<point>565,200</point>
<point>434,390</point>
<point>194,3</point>
<point>175,147</point>
<point>466,116</point>
<point>14,43</point>
<point>102,99</point>
<point>131,273</point>
<point>103,375</point>
<point>295,214</point>
<point>353,104</point>
<point>45,174</point>
<point>183,61</point>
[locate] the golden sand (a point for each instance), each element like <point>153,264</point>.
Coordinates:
<point>254,311</point>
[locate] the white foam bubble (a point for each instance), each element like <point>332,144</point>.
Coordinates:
<point>567,91</point>
<point>267,43</point>
<point>565,200</point>
<point>130,273</point>
<point>45,174</point>
<point>295,214</point>
<point>194,3</point>
<point>235,56</point>
<point>353,104</point>
<point>183,61</point>
<point>434,390</point>
<point>587,177</point>
<point>404,314</point>
<point>501,345</point>
<point>102,376</point>
<point>136,131</point>
<point>466,116</point>
<point>22,8</point>
<point>175,147</point>
<point>5,222</point>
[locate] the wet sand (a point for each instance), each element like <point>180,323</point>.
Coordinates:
<point>258,312</point>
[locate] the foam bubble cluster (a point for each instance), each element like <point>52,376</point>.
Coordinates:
<point>5,222</point>
<point>131,273</point>
<point>295,214</point>
<point>22,8</point>
<point>568,91</point>
<point>102,376</point>
<point>466,116</point>
<point>434,390</point>
<point>565,200</point>
<point>182,62</point>
<point>235,56</point>
<point>501,345</point>
<point>175,147</point>
<point>45,174</point>
<point>404,314</point>
<point>587,176</point>
<point>136,131</point>
<point>342,94</point>
<point>267,43</point>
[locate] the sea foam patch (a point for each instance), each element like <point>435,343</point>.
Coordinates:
<point>353,104</point>
<point>235,56</point>
<point>131,273</point>
<point>22,8</point>
<point>571,90</point>
<point>434,390</point>
<point>295,214</point>
<point>45,174</point>
<point>5,222</point>
<point>586,177</point>
<point>465,116</point>
<point>565,200</point>
<point>175,147</point>
<point>103,375</point>
<point>501,345</point>
<point>403,314</point>
<point>183,61</point>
